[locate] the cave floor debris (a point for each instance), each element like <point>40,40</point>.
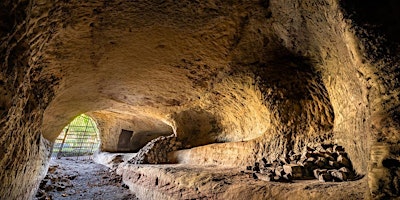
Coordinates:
<point>72,178</point>
<point>178,181</point>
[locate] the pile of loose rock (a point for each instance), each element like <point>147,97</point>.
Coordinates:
<point>324,162</point>
<point>155,152</point>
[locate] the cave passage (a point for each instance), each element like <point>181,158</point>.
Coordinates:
<point>79,138</point>
<point>80,178</point>
<point>259,99</point>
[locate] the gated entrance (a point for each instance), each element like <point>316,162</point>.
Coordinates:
<point>77,139</point>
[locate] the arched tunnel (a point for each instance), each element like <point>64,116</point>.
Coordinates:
<point>207,85</point>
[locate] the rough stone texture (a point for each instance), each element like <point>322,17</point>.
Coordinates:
<point>259,78</point>
<point>144,130</point>
<point>156,151</point>
<point>112,160</point>
<point>211,182</point>
<point>26,88</point>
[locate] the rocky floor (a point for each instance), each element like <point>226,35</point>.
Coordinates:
<point>212,182</point>
<point>72,178</point>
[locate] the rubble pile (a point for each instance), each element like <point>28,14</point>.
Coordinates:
<point>327,163</point>
<point>155,152</point>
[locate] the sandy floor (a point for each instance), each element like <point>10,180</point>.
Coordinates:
<point>71,178</point>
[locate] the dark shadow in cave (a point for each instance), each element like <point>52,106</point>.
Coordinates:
<point>382,16</point>
<point>295,94</point>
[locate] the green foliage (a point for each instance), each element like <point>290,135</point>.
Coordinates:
<point>81,139</point>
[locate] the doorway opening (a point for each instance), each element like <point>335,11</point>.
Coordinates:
<point>79,139</point>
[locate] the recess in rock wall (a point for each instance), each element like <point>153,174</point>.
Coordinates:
<point>196,127</point>
<point>124,140</point>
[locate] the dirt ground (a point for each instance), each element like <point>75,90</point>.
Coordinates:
<point>81,178</point>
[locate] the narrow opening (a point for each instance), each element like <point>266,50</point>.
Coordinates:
<point>79,138</point>
<point>74,175</point>
<point>124,141</point>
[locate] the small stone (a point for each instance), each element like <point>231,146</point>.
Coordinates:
<point>264,161</point>
<point>329,157</point>
<point>296,171</point>
<point>335,155</point>
<point>311,159</point>
<point>325,177</point>
<point>249,167</point>
<point>309,154</point>
<point>284,161</point>
<point>255,176</point>
<point>344,169</point>
<point>264,177</point>
<point>266,170</point>
<point>279,171</point>
<point>338,148</point>
<point>342,160</point>
<point>287,177</point>
<point>334,164</point>
<point>256,167</point>
<point>316,173</point>
<point>338,175</point>
<point>320,162</point>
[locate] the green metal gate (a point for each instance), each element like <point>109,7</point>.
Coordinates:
<point>79,138</point>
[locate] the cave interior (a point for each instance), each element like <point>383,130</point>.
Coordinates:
<point>210,99</point>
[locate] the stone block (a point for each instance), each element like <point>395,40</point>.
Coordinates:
<point>344,169</point>
<point>296,171</point>
<point>317,172</point>
<point>287,177</point>
<point>325,177</point>
<point>320,162</point>
<point>311,159</point>
<point>338,175</point>
<point>344,161</point>
<point>338,148</point>
<point>279,171</point>
<point>334,164</point>
<point>264,177</point>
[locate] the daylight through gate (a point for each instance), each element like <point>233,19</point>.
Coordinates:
<point>77,139</point>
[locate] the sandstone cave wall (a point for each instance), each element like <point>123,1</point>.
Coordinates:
<point>26,89</point>
<point>262,77</point>
<point>376,27</point>
<point>327,39</point>
<point>143,131</point>
<point>308,85</point>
